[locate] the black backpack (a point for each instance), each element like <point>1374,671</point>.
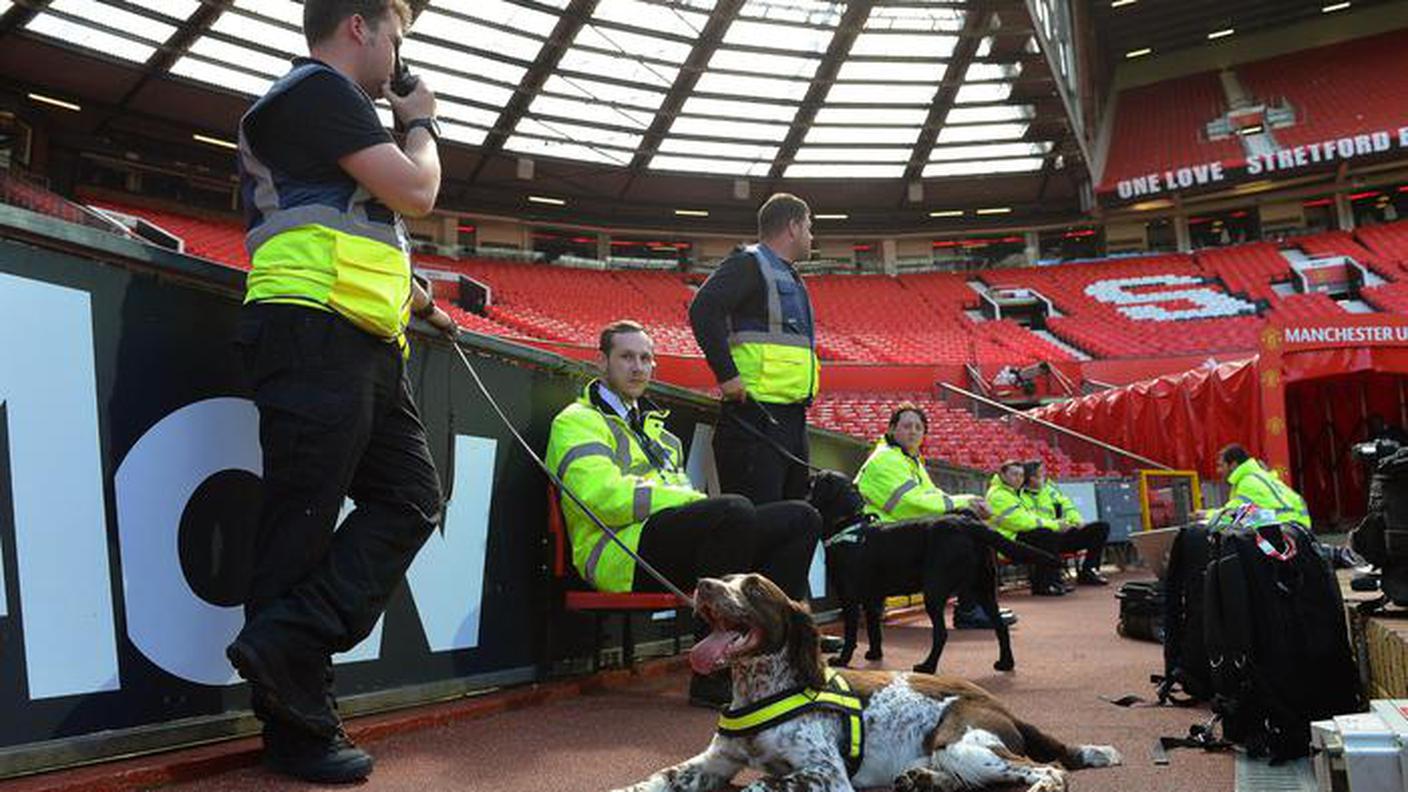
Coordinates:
<point>1276,639</point>
<point>1141,610</point>
<point>1185,649</point>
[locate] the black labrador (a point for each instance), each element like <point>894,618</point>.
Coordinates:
<point>942,556</point>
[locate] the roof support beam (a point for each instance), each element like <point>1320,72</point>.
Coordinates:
<point>163,59</point>
<point>846,31</point>
<point>699,56</point>
<point>20,14</point>
<point>573,18</point>
<point>979,19</point>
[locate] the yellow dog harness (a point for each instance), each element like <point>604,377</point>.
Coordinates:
<point>784,706</point>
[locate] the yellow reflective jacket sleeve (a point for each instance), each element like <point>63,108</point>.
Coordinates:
<point>897,487</point>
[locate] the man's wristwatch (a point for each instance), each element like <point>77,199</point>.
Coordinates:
<point>425,311</point>
<point>431,125</point>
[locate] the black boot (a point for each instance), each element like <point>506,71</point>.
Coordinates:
<point>324,760</point>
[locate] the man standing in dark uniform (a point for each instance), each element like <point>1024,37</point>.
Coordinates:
<point>327,301</point>
<point>753,320</point>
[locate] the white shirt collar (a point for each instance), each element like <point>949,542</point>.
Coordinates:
<point>614,401</point>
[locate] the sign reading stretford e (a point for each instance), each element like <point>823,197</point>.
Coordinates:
<point>1303,156</point>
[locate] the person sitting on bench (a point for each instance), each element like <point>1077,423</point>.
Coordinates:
<point>1073,532</point>
<point>612,449</point>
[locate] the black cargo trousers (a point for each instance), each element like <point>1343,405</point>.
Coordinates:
<point>336,420</point>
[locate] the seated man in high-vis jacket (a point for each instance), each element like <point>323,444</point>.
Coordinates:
<point>1072,533</point>
<point>896,486</point>
<point>1013,514</point>
<point>1252,483</point>
<point>611,448</point>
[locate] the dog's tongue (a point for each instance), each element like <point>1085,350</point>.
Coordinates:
<point>710,654</point>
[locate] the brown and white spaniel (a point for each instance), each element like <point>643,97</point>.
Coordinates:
<point>921,732</point>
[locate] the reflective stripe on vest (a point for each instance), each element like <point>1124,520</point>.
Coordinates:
<point>316,243</point>
<point>782,707</point>
<point>776,366</point>
<point>1282,507</point>
<point>898,495</point>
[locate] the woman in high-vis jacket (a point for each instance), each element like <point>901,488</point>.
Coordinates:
<point>896,486</point>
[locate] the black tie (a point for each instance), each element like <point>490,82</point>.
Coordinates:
<point>633,418</point>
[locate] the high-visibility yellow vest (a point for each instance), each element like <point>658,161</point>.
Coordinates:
<point>1252,483</point>
<point>1011,513</point>
<point>1044,501</point>
<point>776,366</point>
<point>896,486</point>
<point>327,246</point>
<point>623,479</point>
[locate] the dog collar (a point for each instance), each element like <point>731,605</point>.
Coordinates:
<point>781,707</point>
<point>853,533</point>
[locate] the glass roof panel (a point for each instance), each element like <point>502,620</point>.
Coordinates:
<point>114,18</point>
<point>590,112</point>
<point>236,55</point>
<point>968,134</point>
<point>528,20</point>
<point>905,136</point>
<point>567,150</point>
<point>577,133</point>
<point>179,10</point>
<point>991,71</point>
<point>462,112</point>
<point>706,148</point>
<point>893,71</point>
<point>747,33</point>
<point>739,85</point>
<point>981,167</point>
<point>221,76</point>
<point>593,90</point>
<point>982,115</point>
<point>815,12</point>
<point>268,34</point>
<point>764,63</point>
<point>738,130</point>
<point>832,171</point>
<point>884,116</point>
<point>480,36</point>
<point>656,17</point>
<point>612,39</point>
<point>839,154</point>
<point>80,35</point>
<point>881,93</point>
<point>420,55</point>
<point>286,11</point>
<point>989,150</point>
<point>909,45</point>
<point>983,92</point>
<point>465,88</point>
<point>470,136</point>
<point>728,108</point>
<point>619,67</point>
<point>713,167</point>
<point>912,18</point>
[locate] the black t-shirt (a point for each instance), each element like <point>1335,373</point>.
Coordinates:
<point>305,131</point>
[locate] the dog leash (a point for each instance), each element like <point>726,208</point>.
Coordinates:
<point>557,482</point>
<point>769,441</point>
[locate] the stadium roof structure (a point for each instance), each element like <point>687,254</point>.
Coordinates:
<point>629,101</point>
<point>898,114</point>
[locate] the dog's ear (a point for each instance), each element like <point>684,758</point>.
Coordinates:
<point>804,646</point>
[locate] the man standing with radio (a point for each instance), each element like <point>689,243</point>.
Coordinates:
<point>753,320</point>
<point>327,302</point>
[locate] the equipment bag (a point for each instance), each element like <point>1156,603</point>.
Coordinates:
<point>1276,639</point>
<point>1141,610</point>
<point>1185,650</point>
